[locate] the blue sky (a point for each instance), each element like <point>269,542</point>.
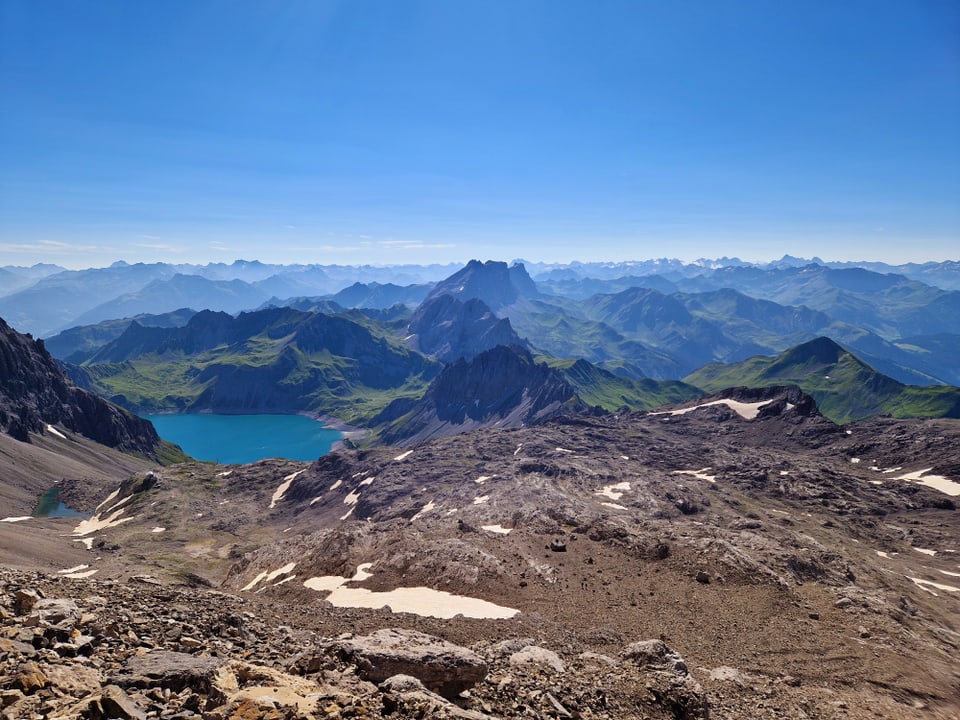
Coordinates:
<point>393,132</point>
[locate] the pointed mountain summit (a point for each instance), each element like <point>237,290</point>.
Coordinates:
<point>493,282</point>
<point>844,386</point>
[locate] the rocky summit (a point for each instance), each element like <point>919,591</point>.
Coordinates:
<point>734,556</point>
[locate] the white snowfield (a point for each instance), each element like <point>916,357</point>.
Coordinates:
<point>937,482</point>
<point>422,601</point>
<point>748,411</point>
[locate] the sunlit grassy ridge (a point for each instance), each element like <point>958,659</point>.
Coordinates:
<point>845,387</point>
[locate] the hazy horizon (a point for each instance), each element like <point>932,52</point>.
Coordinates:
<point>510,261</point>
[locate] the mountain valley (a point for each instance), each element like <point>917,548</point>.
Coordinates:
<point>667,502</point>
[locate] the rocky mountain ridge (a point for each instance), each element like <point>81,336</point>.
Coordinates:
<point>35,396</point>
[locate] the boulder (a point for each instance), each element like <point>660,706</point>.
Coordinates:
<point>54,611</point>
<point>174,670</point>
<point>442,667</point>
<point>671,683</point>
<point>74,680</point>
<point>30,678</point>
<point>534,655</point>
<point>24,600</point>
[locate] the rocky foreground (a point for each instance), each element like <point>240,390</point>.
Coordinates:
<point>739,557</point>
<point>82,649</point>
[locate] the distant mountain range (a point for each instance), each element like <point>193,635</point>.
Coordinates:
<point>385,355</point>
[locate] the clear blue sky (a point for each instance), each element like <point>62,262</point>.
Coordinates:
<point>390,132</point>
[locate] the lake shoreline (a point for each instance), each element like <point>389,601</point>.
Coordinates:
<point>231,438</point>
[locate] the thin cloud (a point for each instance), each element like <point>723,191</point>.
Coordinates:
<point>414,245</point>
<point>49,247</point>
<point>160,246</point>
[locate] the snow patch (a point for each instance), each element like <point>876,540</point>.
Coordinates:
<point>614,492</point>
<point>480,499</point>
<point>337,484</point>
<point>422,601</point>
<point>266,576</point>
<point>614,506</point>
<point>700,474</point>
<point>78,568</point>
<point>518,448</point>
<point>282,489</point>
<point>53,431</point>
<point>425,509</point>
<point>351,498</point>
<point>80,575</point>
<point>499,529</point>
<point>925,551</point>
<point>855,461</point>
<point>937,482</point>
<point>403,456</point>
<point>18,518</point>
<point>97,523</point>
<point>158,529</point>
<point>483,478</point>
<point>748,411</point>
<point>939,586</point>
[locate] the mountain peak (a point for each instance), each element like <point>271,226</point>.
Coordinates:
<point>493,281</point>
<point>822,350</point>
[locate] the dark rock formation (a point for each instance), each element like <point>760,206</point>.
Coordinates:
<point>35,392</point>
<point>502,386</point>
<point>493,282</point>
<point>449,329</point>
<point>442,667</point>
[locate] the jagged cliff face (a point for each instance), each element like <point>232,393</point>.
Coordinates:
<point>502,387</point>
<point>448,329</point>
<point>493,282</point>
<point>34,393</point>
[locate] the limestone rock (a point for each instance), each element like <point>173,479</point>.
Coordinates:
<point>30,678</point>
<point>443,667</point>
<point>534,655</point>
<point>73,680</point>
<point>163,668</point>
<point>24,600</point>
<point>671,683</point>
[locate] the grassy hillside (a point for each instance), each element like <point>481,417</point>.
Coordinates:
<point>598,387</point>
<point>268,361</point>
<point>845,387</point>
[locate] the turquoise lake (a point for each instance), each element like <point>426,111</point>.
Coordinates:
<point>232,439</point>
